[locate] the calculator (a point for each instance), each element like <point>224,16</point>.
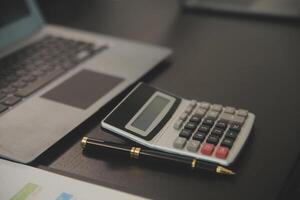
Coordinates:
<point>163,121</point>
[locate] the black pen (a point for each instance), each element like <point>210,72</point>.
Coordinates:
<point>139,153</point>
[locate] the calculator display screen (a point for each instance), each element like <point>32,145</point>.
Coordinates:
<point>150,112</point>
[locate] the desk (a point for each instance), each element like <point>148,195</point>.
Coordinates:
<point>248,63</point>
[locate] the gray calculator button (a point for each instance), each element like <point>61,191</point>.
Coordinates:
<point>232,118</point>
<point>204,105</point>
<point>179,142</point>
<point>242,112</point>
<point>193,103</point>
<point>212,114</point>
<point>216,107</point>
<point>183,116</point>
<point>238,119</point>
<point>200,111</point>
<point>178,124</point>
<point>193,145</point>
<point>226,117</point>
<point>189,109</point>
<point>229,110</point>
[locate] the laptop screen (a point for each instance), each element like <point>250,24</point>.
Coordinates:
<point>12,10</point>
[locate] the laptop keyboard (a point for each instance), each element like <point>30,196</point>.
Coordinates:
<point>29,69</point>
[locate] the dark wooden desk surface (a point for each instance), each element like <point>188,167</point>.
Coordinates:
<point>243,62</point>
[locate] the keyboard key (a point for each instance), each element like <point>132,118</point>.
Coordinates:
<point>2,95</point>
<point>221,125</point>
<point>222,152</point>
<point>209,122</point>
<point>204,129</point>
<point>242,112</point>
<point>191,125</point>
<point>231,134</point>
<point>227,142</point>
<point>232,118</point>
<point>201,112</point>
<point>189,109</point>
<point>3,108</point>
<point>178,124</point>
<point>217,132</point>
<point>235,127</point>
<point>186,133</point>
<point>207,149</point>
<point>212,114</point>
<point>229,110</point>
<point>216,107</point>
<point>193,103</point>
<point>11,100</point>
<point>212,139</point>
<point>28,78</point>
<point>193,145</point>
<point>199,136</point>
<point>179,142</point>
<point>40,82</point>
<point>37,73</point>
<point>183,116</point>
<point>195,118</point>
<point>204,105</point>
<point>19,84</point>
<point>9,90</point>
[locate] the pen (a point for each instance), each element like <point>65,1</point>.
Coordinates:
<point>148,154</point>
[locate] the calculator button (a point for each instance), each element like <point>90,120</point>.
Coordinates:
<point>201,112</point>
<point>217,132</point>
<point>204,105</point>
<point>242,112</point>
<point>186,133</point>
<point>183,116</point>
<point>227,142</point>
<point>207,149</point>
<point>191,125</point>
<point>189,109</point>
<point>204,128</point>
<point>229,110</point>
<point>178,124</point>
<point>216,107</point>
<point>193,103</point>
<point>221,125</point>
<point>193,145</point>
<point>200,136</point>
<point>232,118</point>
<point>213,139</point>
<point>212,114</point>
<point>238,119</point>
<point>235,127</point>
<point>195,118</point>
<point>209,122</point>
<point>179,142</point>
<point>222,152</point>
<point>231,134</point>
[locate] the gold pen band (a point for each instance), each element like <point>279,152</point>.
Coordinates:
<point>135,152</point>
<point>194,161</point>
<point>83,142</point>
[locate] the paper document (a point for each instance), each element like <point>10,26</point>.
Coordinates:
<point>22,182</point>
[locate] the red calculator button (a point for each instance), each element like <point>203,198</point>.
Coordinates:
<point>207,149</point>
<point>222,152</point>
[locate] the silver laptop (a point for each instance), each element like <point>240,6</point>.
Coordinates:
<point>53,78</point>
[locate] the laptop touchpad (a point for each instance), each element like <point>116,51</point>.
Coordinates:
<point>83,89</point>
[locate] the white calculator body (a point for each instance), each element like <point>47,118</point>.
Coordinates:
<point>163,121</point>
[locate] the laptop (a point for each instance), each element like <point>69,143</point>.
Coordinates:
<point>289,9</point>
<point>52,78</point>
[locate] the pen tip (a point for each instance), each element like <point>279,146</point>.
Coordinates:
<point>223,170</point>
